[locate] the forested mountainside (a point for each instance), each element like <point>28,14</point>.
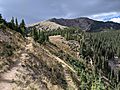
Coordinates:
<point>87,24</point>
<point>58,59</point>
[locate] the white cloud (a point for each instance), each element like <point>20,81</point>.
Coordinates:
<point>115,20</point>
<point>111,16</point>
<point>104,14</point>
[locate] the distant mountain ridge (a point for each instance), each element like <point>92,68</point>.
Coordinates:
<point>87,24</point>
<point>84,23</point>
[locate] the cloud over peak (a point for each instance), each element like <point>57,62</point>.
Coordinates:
<point>115,20</point>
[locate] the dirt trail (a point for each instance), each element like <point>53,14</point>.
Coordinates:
<point>59,60</point>
<point>6,79</point>
<point>30,47</point>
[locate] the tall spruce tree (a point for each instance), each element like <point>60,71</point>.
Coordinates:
<point>16,25</point>
<point>0,16</point>
<point>12,23</point>
<point>22,24</point>
<point>22,28</point>
<point>16,22</point>
<point>2,20</point>
<point>41,37</point>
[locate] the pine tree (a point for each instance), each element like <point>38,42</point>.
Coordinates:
<point>22,24</point>
<point>2,20</point>
<point>0,16</point>
<point>16,25</point>
<point>22,28</point>
<point>35,35</point>
<point>12,20</point>
<point>12,23</point>
<point>16,22</point>
<point>41,37</point>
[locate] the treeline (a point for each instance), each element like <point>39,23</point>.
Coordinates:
<point>14,25</point>
<point>42,36</point>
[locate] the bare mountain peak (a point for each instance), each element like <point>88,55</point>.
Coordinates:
<point>87,24</point>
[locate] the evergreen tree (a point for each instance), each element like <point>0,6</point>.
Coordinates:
<point>16,25</point>
<point>0,16</point>
<point>22,28</point>
<point>12,20</point>
<point>2,20</point>
<point>41,37</point>
<point>22,24</point>
<point>35,34</point>
<point>12,23</point>
<point>16,22</point>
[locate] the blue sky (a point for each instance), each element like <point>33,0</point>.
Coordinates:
<point>37,10</point>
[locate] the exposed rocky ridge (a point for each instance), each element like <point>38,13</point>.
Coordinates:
<point>87,24</point>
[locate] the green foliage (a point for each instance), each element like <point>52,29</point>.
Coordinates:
<point>16,22</point>
<point>39,36</point>
<point>22,28</point>
<point>2,26</point>
<point>13,24</point>
<point>101,47</point>
<point>7,51</point>
<point>0,16</point>
<point>2,20</point>
<point>16,25</point>
<point>42,35</point>
<point>22,24</point>
<point>98,47</point>
<point>89,80</point>
<point>34,34</point>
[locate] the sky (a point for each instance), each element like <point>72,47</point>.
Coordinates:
<point>37,10</point>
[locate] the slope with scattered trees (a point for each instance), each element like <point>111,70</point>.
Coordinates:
<point>45,65</point>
